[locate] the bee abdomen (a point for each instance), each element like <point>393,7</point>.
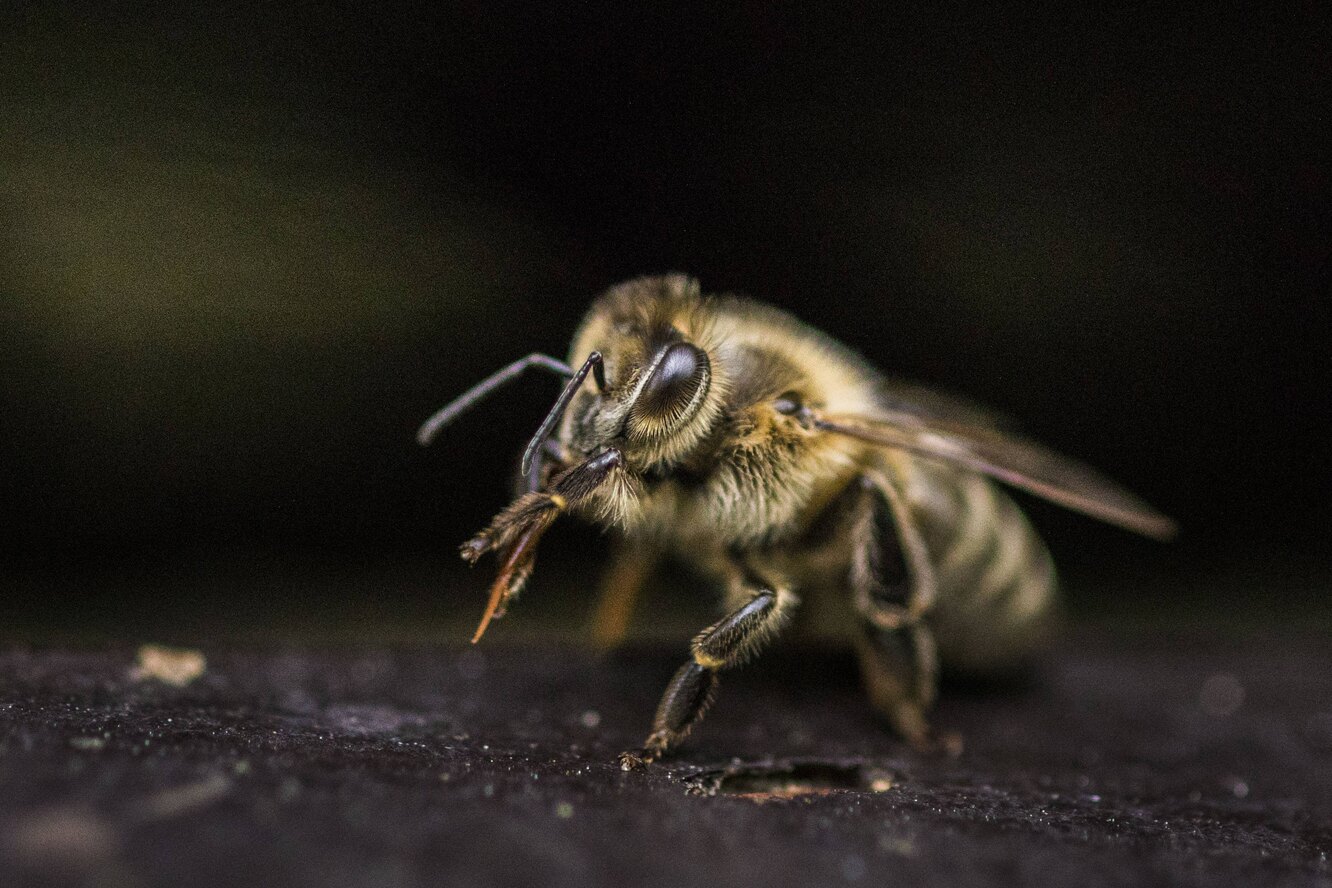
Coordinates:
<point>996,582</point>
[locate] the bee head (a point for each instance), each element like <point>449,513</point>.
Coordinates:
<point>662,392</point>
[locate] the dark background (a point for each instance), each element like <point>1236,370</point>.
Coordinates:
<point>246,249</point>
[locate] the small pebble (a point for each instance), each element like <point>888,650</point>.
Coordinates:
<point>174,666</point>
<point>881,783</point>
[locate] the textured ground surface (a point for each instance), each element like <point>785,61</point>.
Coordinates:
<point>1182,760</point>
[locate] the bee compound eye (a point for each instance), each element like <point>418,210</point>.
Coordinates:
<point>675,381</point>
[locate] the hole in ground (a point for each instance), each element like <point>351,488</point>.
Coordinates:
<point>790,780</point>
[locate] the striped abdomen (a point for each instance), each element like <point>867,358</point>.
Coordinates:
<point>996,583</point>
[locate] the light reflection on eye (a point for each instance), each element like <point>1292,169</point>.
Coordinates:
<point>675,382</point>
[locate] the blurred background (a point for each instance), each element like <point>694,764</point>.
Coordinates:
<point>246,248</point>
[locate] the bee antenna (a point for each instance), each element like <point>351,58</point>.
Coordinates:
<point>592,364</point>
<point>464,402</point>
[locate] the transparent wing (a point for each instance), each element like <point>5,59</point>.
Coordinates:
<point>903,396</point>
<point>1008,458</point>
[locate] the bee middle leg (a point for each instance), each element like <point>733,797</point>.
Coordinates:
<point>629,569</point>
<point>726,643</point>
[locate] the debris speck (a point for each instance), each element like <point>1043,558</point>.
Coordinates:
<point>174,666</point>
<point>564,810</point>
<point>590,719</point>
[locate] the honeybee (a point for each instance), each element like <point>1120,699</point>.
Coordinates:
<point>777,462</point>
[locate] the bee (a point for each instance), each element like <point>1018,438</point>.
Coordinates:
<point>778,463</point>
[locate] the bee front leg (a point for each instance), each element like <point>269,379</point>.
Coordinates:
<point>726,643</point>
<point>515,532</point>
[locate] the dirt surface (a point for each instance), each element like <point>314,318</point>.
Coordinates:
<point>1180,760</point>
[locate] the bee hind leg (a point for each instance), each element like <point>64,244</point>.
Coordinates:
<point>900,672</point>
<point>893,588</point>
<point>726,643</point>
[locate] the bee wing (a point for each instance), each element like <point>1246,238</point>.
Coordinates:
<point>1008,458</point>
<point>904,396</point>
